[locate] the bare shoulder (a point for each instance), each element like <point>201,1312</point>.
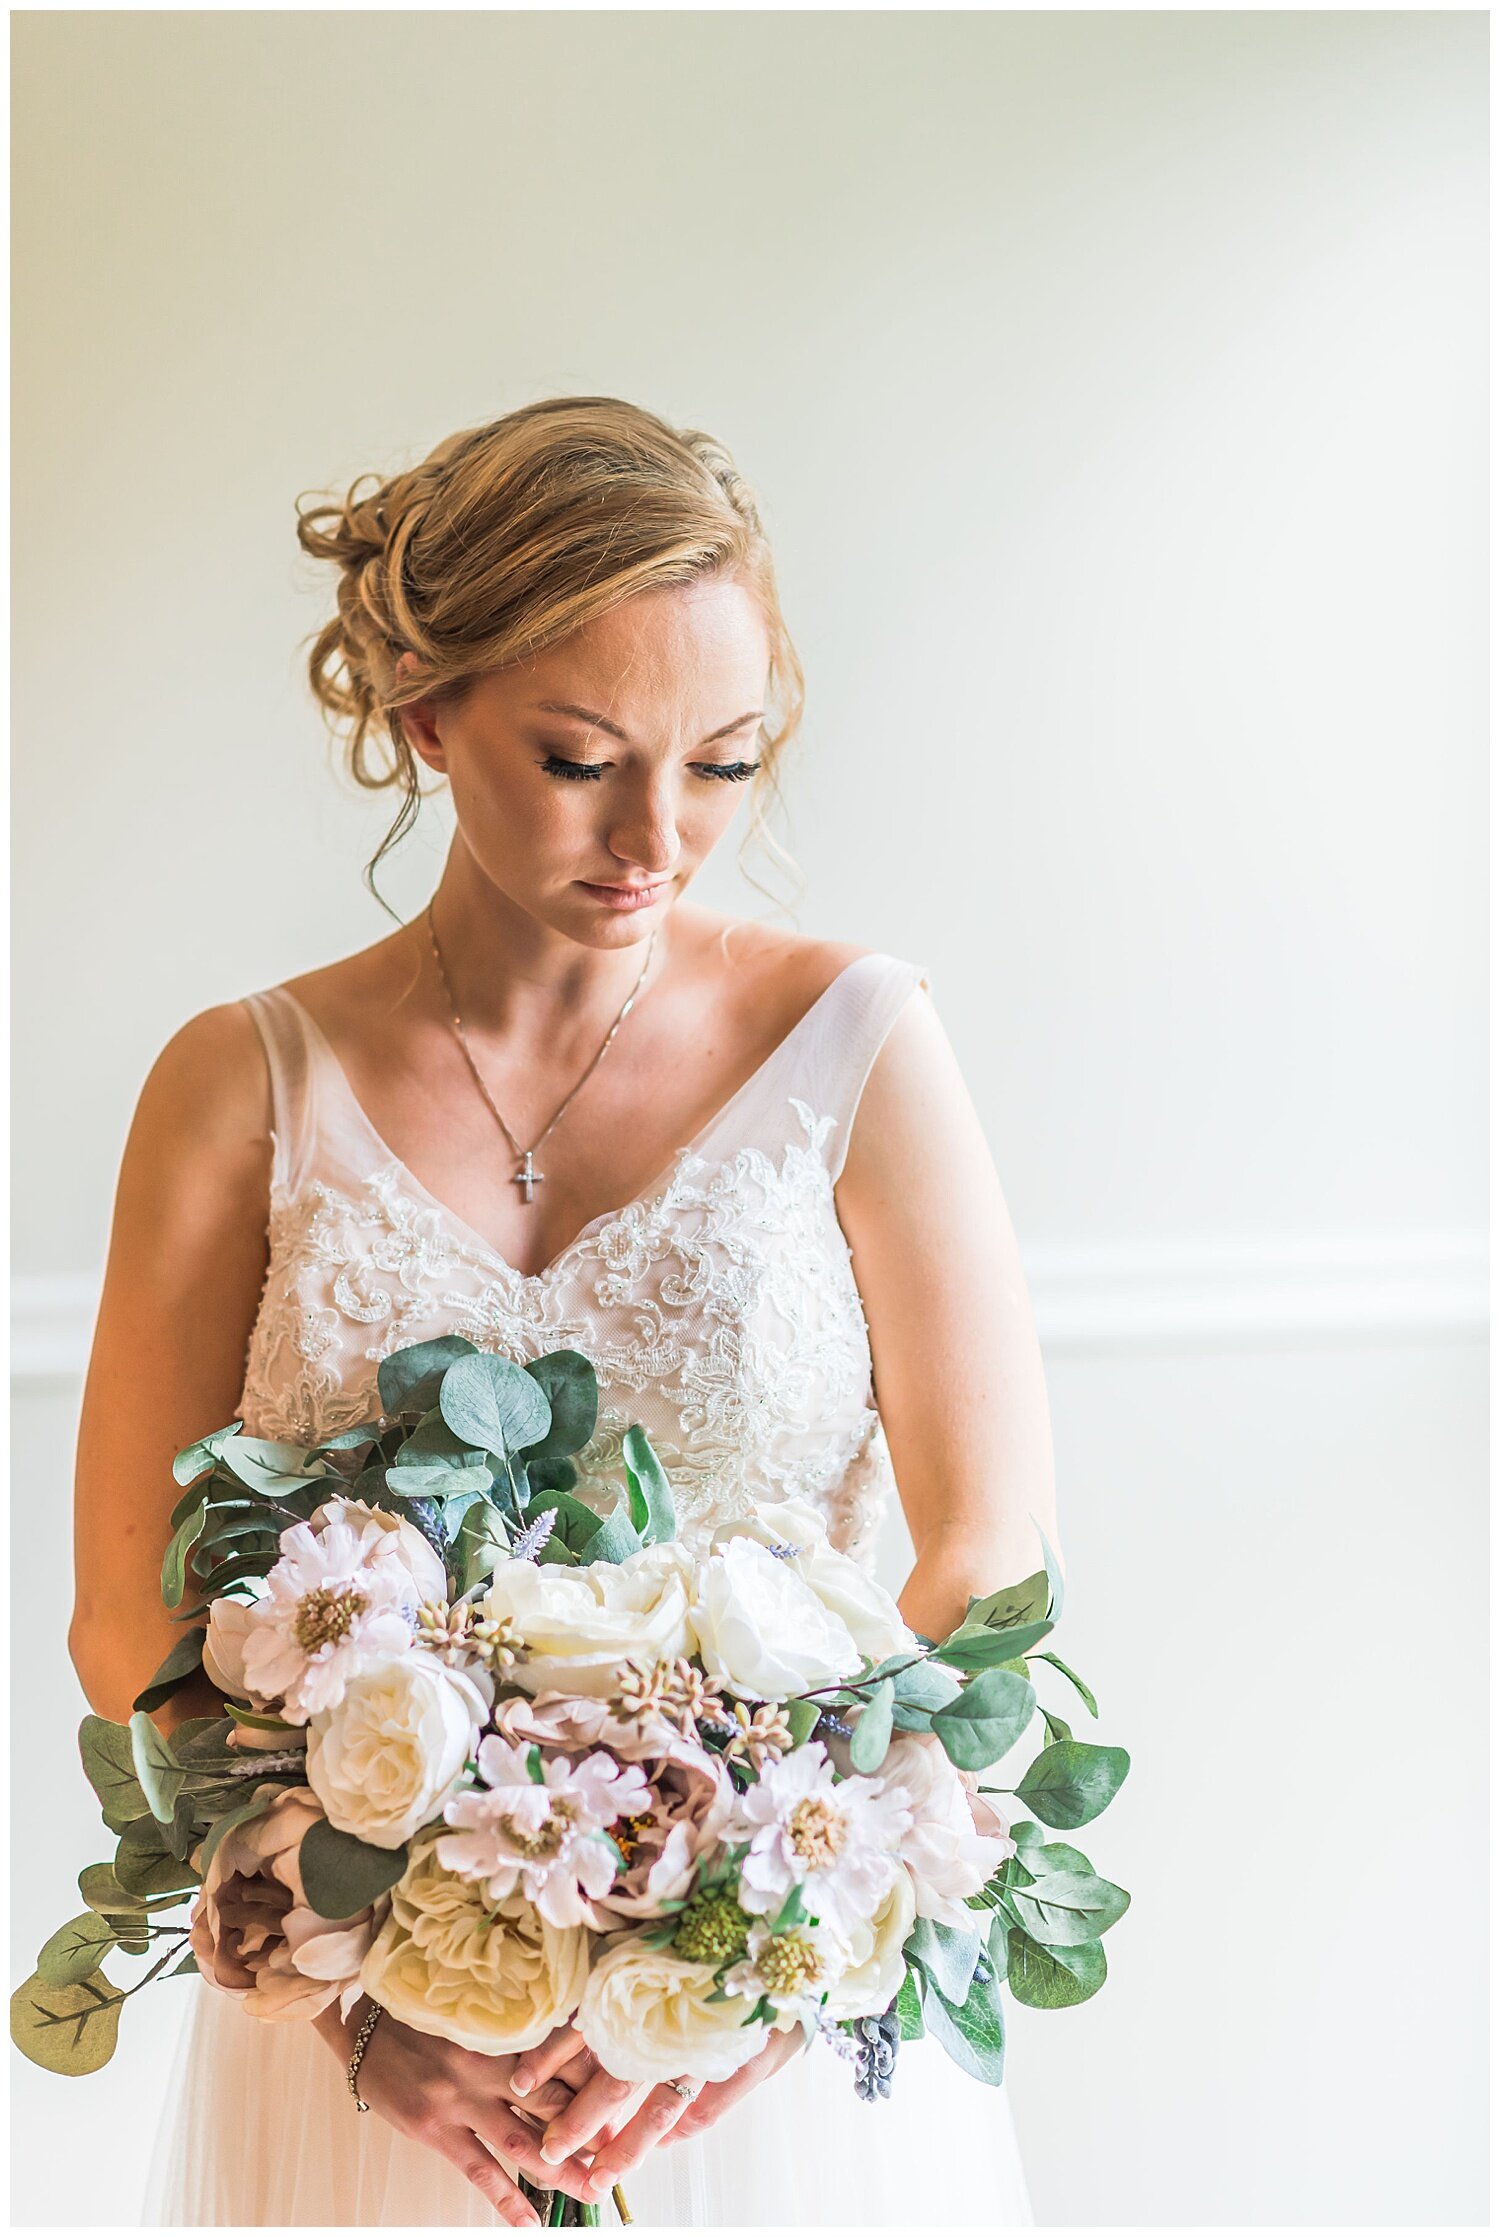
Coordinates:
<point>771,974</point>
<point>210,1080</point>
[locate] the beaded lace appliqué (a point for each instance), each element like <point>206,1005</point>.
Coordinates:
<point>721,1313</point>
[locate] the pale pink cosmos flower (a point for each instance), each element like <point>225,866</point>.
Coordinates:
<point>834,1838</point>
<point>541,1836</point>
<point>691,1795</point>
<point>337,1599</point>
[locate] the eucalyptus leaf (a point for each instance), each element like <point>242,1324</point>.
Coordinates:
<point>988,1717</point>
<point>1013,1605</point>
<point>974,2034</point>
<point>976,1646</point>
<point>657,1520</point>
<point>1072,1676</point>
<point>174,1560</point>
<point>1056,1728</point>
<point>872,1733</point>
<point>109,1767</point>
<point>409,1379</point>
<point>437,1480</point>
<point>801,1718</point>
<point>156,1767</point>
<point>614,1538</point>
<point>269,1465</point>
<point>946,1954</point>
<point>185,1658</point>
<point>1050,1979</point>
<point>909,2008</point>
<point>494,1404</point>
<point>145,1865</point>
<point>203,1452</point>
<point>1072,1781</point>
<point>1054,1575</point>
<point>1065,1908</point>
<point>341,1875</point>
<point>571,1388</point>
<point>70,2029</point>
<point>480,1545</point>
<point>75,1950</point>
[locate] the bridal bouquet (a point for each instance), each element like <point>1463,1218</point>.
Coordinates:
<point>501,1761</point>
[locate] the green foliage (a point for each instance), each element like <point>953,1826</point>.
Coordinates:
<point>802,1717</point>
<point>1063,1909</point>
<point>409,1380</point>
<point>201,1454</point>
<point>145,1865</point>
<point>946,1955</point>
<point>572,1391</point>
<point>651,1508</point>
<point>1072,1781</point>
<point>341,1874</point>
<point>494,1404</point>
<point>185,1658</point>
<point>1072,1676</point>
<point>156,1767</point>
<point>872,1733</point>
<point>75,1950</point>
<point>109,1767</point>
<point>909,2007</point>
<point>71,2029</point>
<point>1050,1979</point>
<point>174,1560</point>
<point>987,1718</point>
<point>972,2033</point>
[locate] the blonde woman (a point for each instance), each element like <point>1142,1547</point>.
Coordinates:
<point>567,1106</point>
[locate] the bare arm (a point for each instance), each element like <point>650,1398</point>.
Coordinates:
<point>183,1276</point>
<point>958,1369</point>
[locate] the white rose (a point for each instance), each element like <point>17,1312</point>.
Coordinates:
<point>646,2018</point>
<point>844,1586</point>
<point>494,1977</point>
<point>578,1625</point>
<point>947,1856</point>
<point>762,1631</point>
<point>876,1949</point>
<point>376,1524</point>
<point>392,1749</point>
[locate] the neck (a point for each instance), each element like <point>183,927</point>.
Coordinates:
<point>512,975</point>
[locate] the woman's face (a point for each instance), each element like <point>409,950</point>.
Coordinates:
<point>590,782</point>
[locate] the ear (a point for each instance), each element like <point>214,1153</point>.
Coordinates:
<point>418,720</point>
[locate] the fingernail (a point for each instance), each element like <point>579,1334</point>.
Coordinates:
<point>520,2082</point>
<point>552,2153</point>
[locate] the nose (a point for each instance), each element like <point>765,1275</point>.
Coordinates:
<point>645,837</point>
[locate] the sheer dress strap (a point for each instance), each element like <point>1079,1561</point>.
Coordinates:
<point>291,1062</point>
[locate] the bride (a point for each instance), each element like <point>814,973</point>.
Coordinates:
<point>567,1106</point>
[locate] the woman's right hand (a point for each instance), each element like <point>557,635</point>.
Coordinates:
<point>457,2103</point>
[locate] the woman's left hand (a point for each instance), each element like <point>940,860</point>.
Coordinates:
<point>623,2134</point>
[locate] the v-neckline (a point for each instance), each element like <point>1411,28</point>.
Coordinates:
<point>644,1198</point>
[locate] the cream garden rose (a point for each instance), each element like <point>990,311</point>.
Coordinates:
<point>390,1752</point>
<point>645,2016</point>
<point>493,1977</point>
<point>845,1587</point>
<point>762,1631</point>
<point>876,1960</point>
<point>578,1625</point>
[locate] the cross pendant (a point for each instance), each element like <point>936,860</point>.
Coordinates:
<point>527,1177</point>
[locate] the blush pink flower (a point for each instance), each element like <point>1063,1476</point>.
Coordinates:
<point>251,1927</point>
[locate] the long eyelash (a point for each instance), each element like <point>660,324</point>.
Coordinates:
<point>589,772</point>
<point>573,772</point>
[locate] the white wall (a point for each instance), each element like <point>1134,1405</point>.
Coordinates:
<point>1114,384</point>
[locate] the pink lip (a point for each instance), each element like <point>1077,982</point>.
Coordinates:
<point>625,897</point>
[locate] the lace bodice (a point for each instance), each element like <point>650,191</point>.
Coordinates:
<point>719,1307</point>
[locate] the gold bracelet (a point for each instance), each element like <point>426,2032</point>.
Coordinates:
<point>361,2040</point>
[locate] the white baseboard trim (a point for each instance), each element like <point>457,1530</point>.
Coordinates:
<point>1165,1295</point>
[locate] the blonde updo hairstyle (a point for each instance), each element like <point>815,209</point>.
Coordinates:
<point>508,537</point>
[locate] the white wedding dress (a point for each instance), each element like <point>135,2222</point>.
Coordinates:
<point>721,1312</point>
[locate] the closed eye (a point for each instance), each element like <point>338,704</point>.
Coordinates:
<point>589,772</point>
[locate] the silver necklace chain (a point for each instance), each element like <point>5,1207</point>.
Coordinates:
<point>527,1177</point>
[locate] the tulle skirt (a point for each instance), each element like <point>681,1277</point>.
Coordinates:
<point>259,2130</point>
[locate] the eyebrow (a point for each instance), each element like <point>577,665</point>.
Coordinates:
<point>602,722</point>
